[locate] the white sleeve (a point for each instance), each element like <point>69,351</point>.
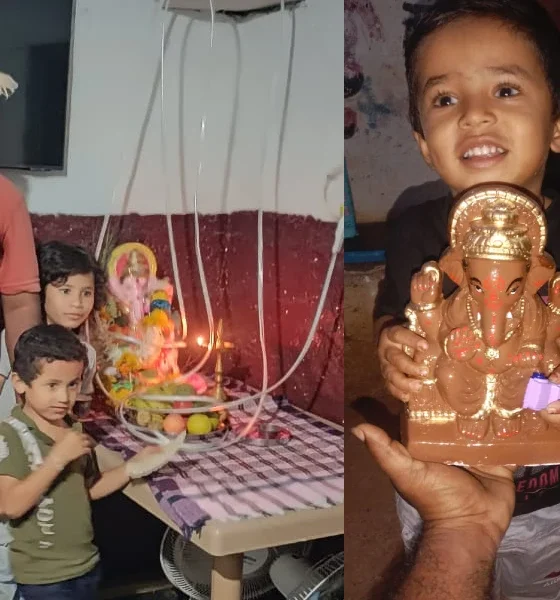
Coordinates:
<point>5,366</point>
<point>89,371</point>
<point>7,395</point>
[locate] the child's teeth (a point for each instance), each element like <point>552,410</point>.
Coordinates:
<point>483,151</point>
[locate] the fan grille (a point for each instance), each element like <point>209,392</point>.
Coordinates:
<point>326,578</point>
<point>188,568</point>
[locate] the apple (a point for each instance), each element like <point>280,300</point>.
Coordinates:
<point>183,404</point>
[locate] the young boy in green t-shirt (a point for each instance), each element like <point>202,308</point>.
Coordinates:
<point>48,471</point>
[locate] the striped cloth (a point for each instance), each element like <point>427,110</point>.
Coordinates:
<point>245,480</point>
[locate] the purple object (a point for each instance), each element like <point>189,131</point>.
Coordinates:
<point>540,392</point>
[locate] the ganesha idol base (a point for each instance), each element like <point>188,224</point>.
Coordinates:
<point>535,443</point>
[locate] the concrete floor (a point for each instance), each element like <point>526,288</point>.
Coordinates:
<point>372,542</point>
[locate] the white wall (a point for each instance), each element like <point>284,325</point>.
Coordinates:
<point>116,54</point>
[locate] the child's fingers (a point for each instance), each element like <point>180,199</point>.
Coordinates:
<point>551,414</point>
<point>400,385</point>
<point>404,337</point>
<point>404,364</point>
<point>555,376</point>
<point>553,407</point>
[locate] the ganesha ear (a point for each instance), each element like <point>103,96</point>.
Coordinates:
<point>541,270</point>
<point>451,263</point>
<point>113,284</point>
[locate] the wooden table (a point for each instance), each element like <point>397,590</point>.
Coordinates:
<point>227,541</point>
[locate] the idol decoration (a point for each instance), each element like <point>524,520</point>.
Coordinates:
<point>489,339</point>
<point>139,355</point>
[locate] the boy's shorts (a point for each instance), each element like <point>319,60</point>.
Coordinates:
<point>8,589</point>
<point>528,563</point>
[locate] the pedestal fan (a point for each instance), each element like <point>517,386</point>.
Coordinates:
<point>189,568</point>
<point>296,579</point>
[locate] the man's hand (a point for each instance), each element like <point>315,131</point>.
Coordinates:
<point>402,375</point>
<point>449,499</point>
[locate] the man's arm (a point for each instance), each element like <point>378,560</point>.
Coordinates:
<point>465,512</point>
<point>21,311</point>
<point>19,273</point>
<point>450,565</point>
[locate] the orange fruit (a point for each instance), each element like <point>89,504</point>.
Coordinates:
<point>173,424</point>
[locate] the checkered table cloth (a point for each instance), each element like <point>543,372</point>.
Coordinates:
<point>244,480</point>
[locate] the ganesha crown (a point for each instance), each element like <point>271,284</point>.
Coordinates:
<point>498,235</point>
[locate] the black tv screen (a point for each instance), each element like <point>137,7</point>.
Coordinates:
<point>35,46</point>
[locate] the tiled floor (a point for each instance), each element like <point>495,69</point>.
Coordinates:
<point>372,539</point>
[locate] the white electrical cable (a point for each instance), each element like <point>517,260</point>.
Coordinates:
<point>155,437</point>
<point>152,436</point>
<point>260,268</point>
<point>168,216</point>
<point>260,254</point>
<point>171,238</point>
<point>177,280</point>
<point>200,263</point>
<point>260,245</point>
<point>339,239</point>
<point>107,217</point>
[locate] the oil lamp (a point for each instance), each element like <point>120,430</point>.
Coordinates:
<point>220,346</point>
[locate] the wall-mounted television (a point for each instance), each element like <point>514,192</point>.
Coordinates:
<point>35,49</point>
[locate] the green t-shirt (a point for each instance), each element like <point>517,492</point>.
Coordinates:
<point>53,542</point>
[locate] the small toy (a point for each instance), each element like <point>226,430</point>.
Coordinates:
<point>540,392</point>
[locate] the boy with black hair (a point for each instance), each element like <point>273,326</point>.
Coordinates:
<point>48,471</point>
<point>484,91</point>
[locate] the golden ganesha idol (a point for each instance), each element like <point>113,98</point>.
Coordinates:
<point>487,339</point>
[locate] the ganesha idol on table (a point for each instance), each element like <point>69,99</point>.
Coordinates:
<point>488,338</point>
<point>146,302</point>
<point>141,351</point>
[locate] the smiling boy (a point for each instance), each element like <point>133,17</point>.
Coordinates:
<point>484,83</point>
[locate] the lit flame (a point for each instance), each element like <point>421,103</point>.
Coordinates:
<point>200,340</point>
